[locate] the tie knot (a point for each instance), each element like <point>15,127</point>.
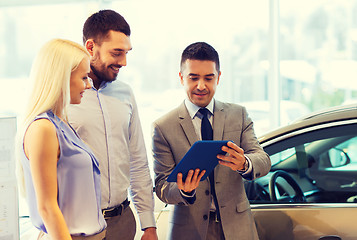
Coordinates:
<point>204,111</point>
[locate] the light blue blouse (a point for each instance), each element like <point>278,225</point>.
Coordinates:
<point>78,178</point>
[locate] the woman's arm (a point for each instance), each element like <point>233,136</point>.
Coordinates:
<point>42,149</point>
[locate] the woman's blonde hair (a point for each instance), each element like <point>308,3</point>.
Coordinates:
<point>50,74</point>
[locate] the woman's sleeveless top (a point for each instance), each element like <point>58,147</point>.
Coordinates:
<point>78,179</point>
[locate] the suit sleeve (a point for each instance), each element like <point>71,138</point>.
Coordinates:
<point>259,158</point>
<point>164,163</point>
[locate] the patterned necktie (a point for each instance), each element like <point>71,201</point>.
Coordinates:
<point>207,134</point>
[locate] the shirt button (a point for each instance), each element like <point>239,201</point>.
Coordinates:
<point>207,192</point>
<point>205,217</point>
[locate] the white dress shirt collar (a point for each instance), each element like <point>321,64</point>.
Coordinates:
<point>193,109</point>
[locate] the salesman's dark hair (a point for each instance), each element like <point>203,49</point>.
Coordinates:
<point>200,51</point>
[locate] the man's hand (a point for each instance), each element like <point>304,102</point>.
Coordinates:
<point>149,234</point>
<point>234,158</point>
<point>191,182</point>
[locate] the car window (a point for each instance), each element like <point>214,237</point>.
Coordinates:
<point>282,156</point>
<point>323,162</point>
<point>337,153</point>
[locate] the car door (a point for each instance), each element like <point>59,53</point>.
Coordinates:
<point>321,159</point>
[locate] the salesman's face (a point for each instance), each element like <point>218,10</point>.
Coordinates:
<point>200,80</point>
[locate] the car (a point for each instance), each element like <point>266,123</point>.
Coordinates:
<point>310,192</point>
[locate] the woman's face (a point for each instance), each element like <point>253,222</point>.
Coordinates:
<point>79,81</point>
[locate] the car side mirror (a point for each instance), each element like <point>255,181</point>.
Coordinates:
<point>338,157</point>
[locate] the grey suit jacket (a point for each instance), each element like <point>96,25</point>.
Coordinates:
<point>173,135</point>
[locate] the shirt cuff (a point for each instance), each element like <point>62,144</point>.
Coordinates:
<point>147,219</point>
<point>192,194</point>
<point>190,198</point>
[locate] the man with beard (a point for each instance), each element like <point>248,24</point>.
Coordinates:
<point>108,121</point>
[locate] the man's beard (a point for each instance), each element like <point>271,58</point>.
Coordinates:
<point>101,75</point>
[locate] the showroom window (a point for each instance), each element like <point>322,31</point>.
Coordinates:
<point>316,54</point>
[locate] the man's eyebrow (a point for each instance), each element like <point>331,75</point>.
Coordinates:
<point>210,75</point>
<point>121,50</point>
<point>207,75</point>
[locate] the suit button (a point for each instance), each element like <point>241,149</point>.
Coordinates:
<point>207,192</point>
<point>205,217</point>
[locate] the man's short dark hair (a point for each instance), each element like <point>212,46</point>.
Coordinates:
<point>100,23</point>
<point>200,51</point>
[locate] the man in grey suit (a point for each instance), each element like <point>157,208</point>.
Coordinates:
<point>201,210</point>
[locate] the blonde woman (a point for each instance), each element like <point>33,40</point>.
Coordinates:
<point>59,172</point>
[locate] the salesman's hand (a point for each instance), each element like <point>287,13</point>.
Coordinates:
<point>191,182</point>
<point>235,158</point>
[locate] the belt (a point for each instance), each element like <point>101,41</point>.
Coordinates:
<point>115,211</point>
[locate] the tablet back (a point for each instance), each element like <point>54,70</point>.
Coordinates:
<point>201,155</point>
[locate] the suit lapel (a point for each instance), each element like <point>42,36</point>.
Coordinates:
<point>187,125</point>
<point>218,121</point>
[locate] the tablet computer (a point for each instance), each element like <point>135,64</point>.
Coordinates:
<point>202,155</point>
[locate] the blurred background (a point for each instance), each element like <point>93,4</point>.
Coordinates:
<point>280,59</point>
